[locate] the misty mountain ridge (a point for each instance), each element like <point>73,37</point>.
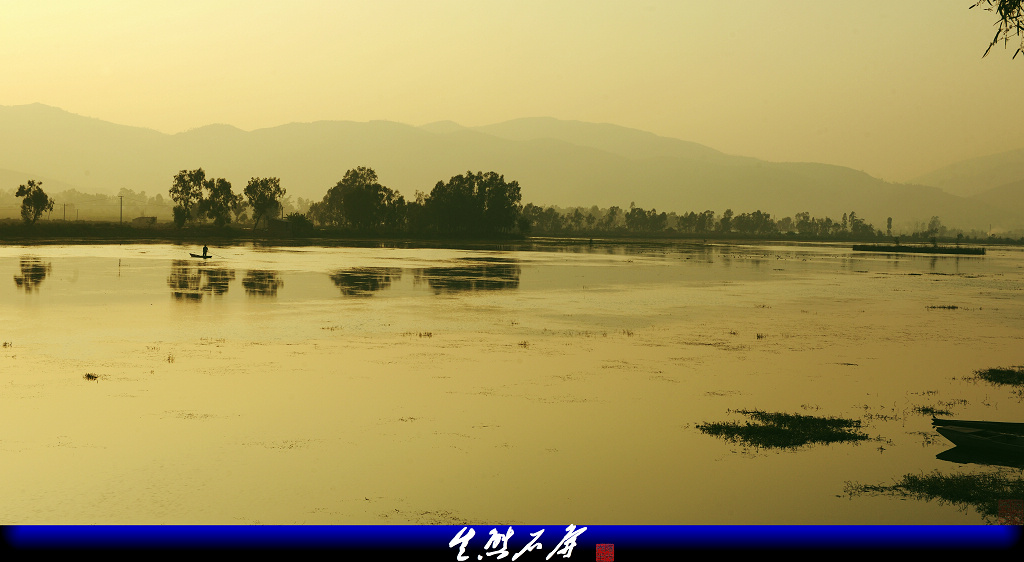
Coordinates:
<point>556,162</point>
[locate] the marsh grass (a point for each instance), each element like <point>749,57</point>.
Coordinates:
<point>982,491</point>
<point>780,430</point>
<point>1013,376</point>
<point>932,411</point>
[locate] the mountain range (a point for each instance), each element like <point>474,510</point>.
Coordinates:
<point>556,162</point>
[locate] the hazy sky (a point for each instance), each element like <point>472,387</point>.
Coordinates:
<point>892,87</point>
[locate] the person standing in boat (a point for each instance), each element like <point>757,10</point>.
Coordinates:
<point>205,250</point>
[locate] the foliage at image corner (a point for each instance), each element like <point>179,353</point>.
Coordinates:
<point>1010,23</point>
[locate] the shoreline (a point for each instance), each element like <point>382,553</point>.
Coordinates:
<point>112,233</point>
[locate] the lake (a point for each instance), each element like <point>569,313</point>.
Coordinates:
<point>553,382</point>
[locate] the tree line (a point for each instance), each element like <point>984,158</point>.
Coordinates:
<point>637,220</point>
<point>467,205</point>
<point>470,204</point>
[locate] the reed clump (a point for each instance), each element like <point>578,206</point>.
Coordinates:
<point>932,411</point>
<point>982,491</point>
<point>1013,376</point>
<point>781,430</point>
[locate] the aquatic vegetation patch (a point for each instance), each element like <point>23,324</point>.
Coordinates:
<point>982,491</point>
<point>932,411</point>
<point>1013,376</point>
<point>781,430</point>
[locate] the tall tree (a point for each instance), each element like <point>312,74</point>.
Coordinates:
<point>264,195</point>
<point>35,202</point>
<point>475,203</point>
<point>725,224</point>
<point>502,206</point>
<point>360,201</point>
<point>219,202</point>
<point>187,191</point>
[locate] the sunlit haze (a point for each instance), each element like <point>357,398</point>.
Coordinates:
<point>895,89</point>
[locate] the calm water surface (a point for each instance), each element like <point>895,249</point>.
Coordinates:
<point>554,385</point>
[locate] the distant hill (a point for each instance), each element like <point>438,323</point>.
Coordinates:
<point>977,175</point>
<point>1008,196</point>
<point>566,163</point>
<point>996,180</point>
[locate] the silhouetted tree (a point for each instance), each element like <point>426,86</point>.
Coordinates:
<point>636,218</point>
<point>187,191</point>
<point>756,223</point>
<point>705,222</point>
<point>360,201</point>
<point>576,219</point>
<point>35,202</point>
<point>858,227</point>
<point>219,202</point>
<point>502,206</point>
<point>725,224</point>
<point>803,223</point>
<point>611,218</point>
<point>264,195</point>
<point>474,203</point>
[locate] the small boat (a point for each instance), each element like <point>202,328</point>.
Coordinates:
<point>206,257</point>
<point>1000,427</point>
<point>983,439</point>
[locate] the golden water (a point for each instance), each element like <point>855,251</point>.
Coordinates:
<point>547,385</point>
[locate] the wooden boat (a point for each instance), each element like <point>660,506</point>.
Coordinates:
<point>1000,427</point>
<point>983,439</point>
<point>206,257</point>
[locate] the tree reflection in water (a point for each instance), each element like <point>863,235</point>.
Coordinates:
<point>190,283</point>
<point>33,271</point>
<point>490,274</point>
<point>263,283</point>
<point>364,281</point>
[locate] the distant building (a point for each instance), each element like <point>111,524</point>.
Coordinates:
<point>279,227</point>
<point>143,222</point>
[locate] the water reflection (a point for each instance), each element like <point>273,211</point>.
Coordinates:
<point>964,455</point>
<point>364,281</point>
<point>189,282</point>
<point>475,275</point>
<point>33,271</point>
<point>263,283</point>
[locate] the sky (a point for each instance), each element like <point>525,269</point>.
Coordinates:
<point>895,88</point>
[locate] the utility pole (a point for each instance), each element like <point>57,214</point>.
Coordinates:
<point>65,212</point>
<point>121,197</point>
